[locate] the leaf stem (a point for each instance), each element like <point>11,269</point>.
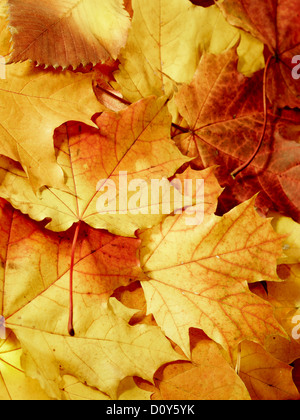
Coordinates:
<point>238,361</point>
<point>244,165</point>
<point>70,323</point>
<point>113,95</point>
<point>182,129</point>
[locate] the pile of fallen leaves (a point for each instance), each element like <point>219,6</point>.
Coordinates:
<point>136,305</point>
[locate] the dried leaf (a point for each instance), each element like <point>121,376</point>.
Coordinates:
<point>206,377</point>
<point>265,377</point>
<point>102,261</point>
<point>36,308</point>
<point>41,101</point>
<point>165,51</point>
<point>14,384</point>
<point>200,280</point>
<point>224,113</point>
<point>67,33</point>
<point>135,142</point>
<point>273,23</point>
<point>132,264</point>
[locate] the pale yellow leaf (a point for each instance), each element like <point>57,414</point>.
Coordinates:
<point>33,103</point>
<point>166,40</point>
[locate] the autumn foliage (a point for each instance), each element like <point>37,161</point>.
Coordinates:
<point>136,304</point>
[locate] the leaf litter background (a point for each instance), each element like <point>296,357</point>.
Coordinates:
<point>161,89</point>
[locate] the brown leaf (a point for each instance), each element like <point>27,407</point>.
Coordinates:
<point>276,24</point>
<point>224,113</point>
<point>67,33</point>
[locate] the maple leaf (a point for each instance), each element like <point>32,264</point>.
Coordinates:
<point>41,101</point>
<point>103,352</point>
<point>74,390</point>
<point>14,384</point>
<point>164,51</point>
<point>35,307</point>
<point>192,302</point>
<point>287,348</point>
<point>266,378</point>
<point>201,280</point>
<point>207,376</point>
<point>273,23</point>
<point>102,261</point>
<point>223,110</point>
<point>136,140</point>
<point>69,33</point>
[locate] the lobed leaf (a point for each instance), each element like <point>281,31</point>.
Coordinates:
<point>34,103</point>
<point>35,299</point>
<point>14,384</point>
<point>273,23</point>
<point>166,40</point>
<point>136,141</point>
<point>207,376</point>
<point>265,377</point>
<point>224,113</point>
<point>201,280</point>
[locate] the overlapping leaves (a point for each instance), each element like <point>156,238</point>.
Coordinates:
<point>162,307</point>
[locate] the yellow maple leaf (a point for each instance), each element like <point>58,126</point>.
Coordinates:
<point>14,384</point>
<point>34,292</point>
<point>166,40</point>
<point>135,142</point>
<point>199,276</point>
<point>34,103</point>
<point>285,299</point>
<point>104,351</point>
<point>75,390</point>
